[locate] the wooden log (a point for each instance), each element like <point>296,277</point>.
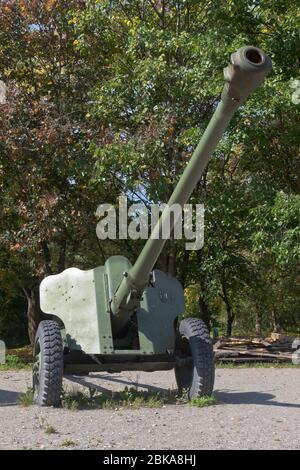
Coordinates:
<point>237,360</point>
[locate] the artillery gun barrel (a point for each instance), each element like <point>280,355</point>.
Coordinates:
<point>246,71</point>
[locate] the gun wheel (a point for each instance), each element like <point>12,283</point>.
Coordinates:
<point>47,369</point>
<point>195,368</point>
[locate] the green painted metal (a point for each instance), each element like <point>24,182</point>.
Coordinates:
<point>160,306</point>
<point>117,367</point>
<point>80,299</point>
<point>248,67</point>
<point>118,310</point>
<point>77,298</point>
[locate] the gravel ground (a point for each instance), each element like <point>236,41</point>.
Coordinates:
<point>257,409</point>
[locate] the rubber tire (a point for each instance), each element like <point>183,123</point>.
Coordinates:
<point>197,377</point>
<point>49,341</point>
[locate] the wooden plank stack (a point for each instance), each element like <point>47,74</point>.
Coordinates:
<point>275,348</point>
<point>24,354</point>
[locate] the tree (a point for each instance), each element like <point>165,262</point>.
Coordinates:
<point>156,102</point>
<point>111,97</point>
<point>48,196</point>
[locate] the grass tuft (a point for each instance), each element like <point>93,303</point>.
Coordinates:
<point>74,399</point>
<point>128,398</point>
<point>50,430</point>
<point>68,443</point>
<point>27,398</point>
<point>13,362</point>
<point>256,365</point>
<point>201,402</point>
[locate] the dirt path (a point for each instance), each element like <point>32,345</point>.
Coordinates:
<point>258,409</point>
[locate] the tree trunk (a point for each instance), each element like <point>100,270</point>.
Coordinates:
<point>183,274</point>
<point>47,257</point>
<point>229,310</point>
<point>32,312</point>
<point>172,262</point>
<point>203,305</point>
<point>204,310</point>
<point>275,322</point>
<point>258,321</point>
<point>167,261</point>
<point>230,320</point>
<point>62,256</point>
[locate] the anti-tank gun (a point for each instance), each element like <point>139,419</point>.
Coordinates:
<point>126,317</point>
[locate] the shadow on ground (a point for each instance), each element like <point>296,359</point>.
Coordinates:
<point>83,380</point>
<point>233,397</point>
<point>9,398</point>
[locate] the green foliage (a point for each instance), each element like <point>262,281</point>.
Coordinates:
<point>50,430</point>
<point>14,362</point>
<point>12,318</point>
<point>128,398</point>
<point>27,399</point>
<point>110,97</point>
<point>256,365</point>
<point>68,443</point>
<point>202,402</point>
